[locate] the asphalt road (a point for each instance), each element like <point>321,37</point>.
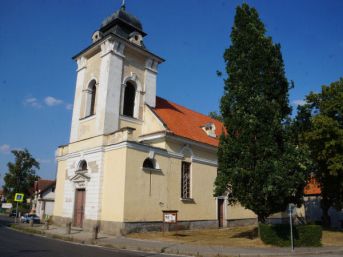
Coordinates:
<point>17,244</point>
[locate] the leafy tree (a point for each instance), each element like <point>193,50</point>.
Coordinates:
<point>258,163</point>
<point>320,123</point>
<point>215,115</point>
<point>21,174</point>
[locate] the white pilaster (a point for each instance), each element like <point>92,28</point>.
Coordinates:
<point>150,82</point>
<point>108,103</point>
<point>80,77</point>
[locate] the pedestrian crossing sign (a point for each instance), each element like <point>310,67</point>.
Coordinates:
<point>19,197</point>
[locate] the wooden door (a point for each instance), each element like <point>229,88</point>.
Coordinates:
<point>221,212</point>
<point>79,207</point>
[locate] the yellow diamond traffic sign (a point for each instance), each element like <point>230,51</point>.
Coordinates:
<point>19,197</point>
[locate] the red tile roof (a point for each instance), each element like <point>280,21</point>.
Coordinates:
<point>312,188</point>
<point>186,123</point>
<point>42,184</point>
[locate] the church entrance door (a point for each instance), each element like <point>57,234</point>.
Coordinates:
<point>79,207</point>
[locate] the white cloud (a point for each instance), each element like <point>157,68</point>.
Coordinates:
<point>48,101</point>
<point>69,106</point>
<point>299,102</point>
<point>5,148</point>
<point>52,101</point>
<point>33,102</point>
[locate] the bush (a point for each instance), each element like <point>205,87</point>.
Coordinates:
<point>308,235</point>
<point>275,234</point>
<point>279,235</point>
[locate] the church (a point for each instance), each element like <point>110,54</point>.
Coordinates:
<point>134,157</point>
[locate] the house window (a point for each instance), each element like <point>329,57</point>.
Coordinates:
<point>91,98</point>
<point>129,99</point>
<point>185,180</point>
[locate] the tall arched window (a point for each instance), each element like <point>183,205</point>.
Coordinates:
<point>93,95</point>
<point>91,98</point>
<point>129,99</point>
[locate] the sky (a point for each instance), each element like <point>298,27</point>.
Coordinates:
<point>39,37</point>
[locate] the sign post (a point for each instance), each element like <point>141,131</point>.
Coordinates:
<point>290,207</point>
<point>19,198</point>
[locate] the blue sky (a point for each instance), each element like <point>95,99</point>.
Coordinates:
<point>39,37</point>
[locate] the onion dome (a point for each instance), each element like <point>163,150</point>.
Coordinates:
<point>122,23</point>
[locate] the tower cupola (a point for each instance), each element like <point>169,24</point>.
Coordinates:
<point>122,24</point>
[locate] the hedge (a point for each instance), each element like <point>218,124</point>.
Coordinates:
<point>279,235</point>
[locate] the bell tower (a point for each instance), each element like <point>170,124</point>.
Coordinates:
<point>116,78</point>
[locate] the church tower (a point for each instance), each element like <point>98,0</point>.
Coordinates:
<point>116,77</point>
<point>115,90</point>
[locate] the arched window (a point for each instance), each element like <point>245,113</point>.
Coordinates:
<point>82,166</point>
<point>91,98</point>
<point>93,95</point>
<point>149,163</point>
<point>129,99</point>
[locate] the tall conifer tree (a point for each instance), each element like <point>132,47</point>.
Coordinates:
<point>258,164</point>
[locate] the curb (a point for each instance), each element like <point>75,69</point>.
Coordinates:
<point>72,240</point>
<point>161,250</point>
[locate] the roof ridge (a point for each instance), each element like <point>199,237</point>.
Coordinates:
<point>190,109</point>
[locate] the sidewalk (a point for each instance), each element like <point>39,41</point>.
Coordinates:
<point>84,237</point>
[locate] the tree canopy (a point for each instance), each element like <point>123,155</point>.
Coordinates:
<point>258,163</point>
<point>320,126</point>
<point>215,115</point>
<point>21,174</point>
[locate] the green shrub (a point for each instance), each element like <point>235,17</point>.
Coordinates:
<point>308,235</point>
<point>279,235</point>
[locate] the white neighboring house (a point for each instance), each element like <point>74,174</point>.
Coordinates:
<point>44,197</point>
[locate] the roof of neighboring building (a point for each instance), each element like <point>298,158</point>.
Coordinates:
<point>312,188</point>
<point>43,184</point>
<point>186,123</point>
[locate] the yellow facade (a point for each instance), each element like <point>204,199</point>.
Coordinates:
<point>132,194</point>
<point>114,186</point>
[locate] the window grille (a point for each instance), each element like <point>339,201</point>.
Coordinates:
<point>185,180</point>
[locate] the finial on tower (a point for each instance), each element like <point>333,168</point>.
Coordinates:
<point>123,7</point>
